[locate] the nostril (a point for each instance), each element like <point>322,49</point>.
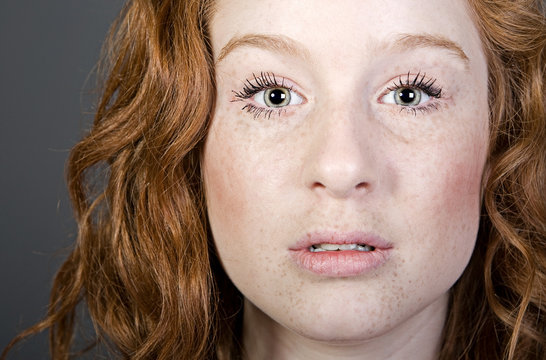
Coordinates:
<point>318,185</point>
<point>362,186</point>
<point>342,191</point>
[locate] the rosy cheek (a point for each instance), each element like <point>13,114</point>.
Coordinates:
<point>463,181</point>
<point>219,181</point>
<point>227,188</point>
<point>460,205</point>
<point>462,184</point>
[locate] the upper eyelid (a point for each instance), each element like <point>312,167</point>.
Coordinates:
<point>252,82</point>
<point>407,80</point>
<point>413,80</point>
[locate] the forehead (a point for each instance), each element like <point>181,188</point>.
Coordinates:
<point>347,26</point>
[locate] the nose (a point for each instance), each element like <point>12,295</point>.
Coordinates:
<point>340,161</point>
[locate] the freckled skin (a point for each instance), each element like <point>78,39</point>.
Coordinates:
<point>345,161</point>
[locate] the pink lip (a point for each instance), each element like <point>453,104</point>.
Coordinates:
<point>340,263</point>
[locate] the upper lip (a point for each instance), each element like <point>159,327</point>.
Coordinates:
<point>339,238</point>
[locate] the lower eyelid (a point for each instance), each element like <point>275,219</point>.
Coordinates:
<point>266,112</point>
<point>422,109</point>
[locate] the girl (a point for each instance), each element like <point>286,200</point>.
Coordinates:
<point>313,180</point>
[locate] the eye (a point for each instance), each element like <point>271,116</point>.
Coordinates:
<point>266,94</point>
<point>413,93</point>
<point>406,96</point>
<point>277,97</point>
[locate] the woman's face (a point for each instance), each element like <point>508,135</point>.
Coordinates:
<point>344,161</point>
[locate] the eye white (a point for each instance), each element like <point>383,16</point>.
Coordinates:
<point>390,98</point>
<point>295,98</point>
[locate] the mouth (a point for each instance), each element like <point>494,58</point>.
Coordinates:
<point>341,241</point>
<point>340,247</point>
<point>341,254</point>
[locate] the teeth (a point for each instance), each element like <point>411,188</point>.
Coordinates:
<point>348,247</point>
<point>330,247</point>
<point>340,247</point>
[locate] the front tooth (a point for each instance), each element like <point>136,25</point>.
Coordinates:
<point>348,247</point>
<point>329,247</point>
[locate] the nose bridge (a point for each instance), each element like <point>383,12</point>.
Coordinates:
<point>340,162</point>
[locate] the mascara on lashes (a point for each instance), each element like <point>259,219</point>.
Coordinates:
<point>418,82</point>
<point>264,81</point>
<point>268,80</point>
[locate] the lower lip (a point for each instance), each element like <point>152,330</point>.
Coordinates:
<point>340,263</point>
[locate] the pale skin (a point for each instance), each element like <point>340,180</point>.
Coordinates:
<point>342,156</point>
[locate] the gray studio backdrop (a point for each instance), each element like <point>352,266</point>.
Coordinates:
<point>47,50</point>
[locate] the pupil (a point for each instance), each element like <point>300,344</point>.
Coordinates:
<point>407,95</point>
<point>277,96</point>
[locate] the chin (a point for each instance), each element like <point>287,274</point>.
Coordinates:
<point>343,327</point>
<point>342,334</point>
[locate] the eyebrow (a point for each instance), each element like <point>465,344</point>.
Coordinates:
<point>275,43</point>
<point>409,41</point>
<point>283,44</point>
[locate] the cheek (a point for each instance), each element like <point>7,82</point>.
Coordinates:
<point>223,189</point>
<point>458,211</point>
<point>463,178</point>
<point>219,191</point>
<point>235,182</point>
<point>460,188</point>
<point>443,213</point>
<point>461,207</point>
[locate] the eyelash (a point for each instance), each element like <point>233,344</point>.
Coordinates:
<point>265,81</point>
<point>268,80</point>
<point>418,82</point>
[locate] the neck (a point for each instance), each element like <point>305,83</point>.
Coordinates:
<point>419,337</point>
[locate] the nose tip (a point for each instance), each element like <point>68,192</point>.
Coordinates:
<point>340,161</point>
<point>341,181</point>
